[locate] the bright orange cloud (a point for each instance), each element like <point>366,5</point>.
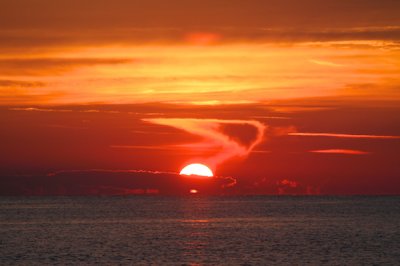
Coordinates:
<point>227,73</point>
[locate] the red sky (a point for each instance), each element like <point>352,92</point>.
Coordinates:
<point>277,97</point>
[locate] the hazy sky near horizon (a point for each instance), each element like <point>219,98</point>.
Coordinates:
<point>276,93</point>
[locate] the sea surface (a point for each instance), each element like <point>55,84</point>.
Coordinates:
<point>195,230</point>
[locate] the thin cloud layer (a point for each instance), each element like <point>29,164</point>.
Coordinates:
<point>25,23</point>
<point>20,84</point>
<point>52,66</point>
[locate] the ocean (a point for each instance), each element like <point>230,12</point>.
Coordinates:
<point>199,230</point>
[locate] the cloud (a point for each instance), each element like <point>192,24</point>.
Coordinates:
<point>35,109</point>
<point>217,102</point>
<point>108,171</point>
<point>212,130</point>
<point>227,181</point>
<point>19,96</point>
<point>336,135</point>
<point>272,117</point>
<point>342,151</point>
<point>112,182</point>
<point>46,66</point>
<point>288,187</point>
<point>289,183</point>
<point>126,181</point>
<point>59,110</point>
<point>17,40</point>
<point>325,63</point>
<point>21,83</point>
<point>124,21</point>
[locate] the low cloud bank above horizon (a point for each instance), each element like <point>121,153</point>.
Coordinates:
<point>111,182</point>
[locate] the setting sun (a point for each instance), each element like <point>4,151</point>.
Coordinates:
<point>222,132</point>
<point>197,169</point>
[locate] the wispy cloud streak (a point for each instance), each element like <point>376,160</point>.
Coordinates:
<point>209,129</point>
<point>342,151</point>
<point>335,135</point>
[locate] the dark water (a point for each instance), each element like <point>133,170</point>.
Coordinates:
<point>200,230</point>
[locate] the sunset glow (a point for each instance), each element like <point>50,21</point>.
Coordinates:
<point>199,132</point>
<point>259,91</point>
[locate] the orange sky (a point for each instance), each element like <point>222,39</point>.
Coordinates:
<point>262,91</point>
